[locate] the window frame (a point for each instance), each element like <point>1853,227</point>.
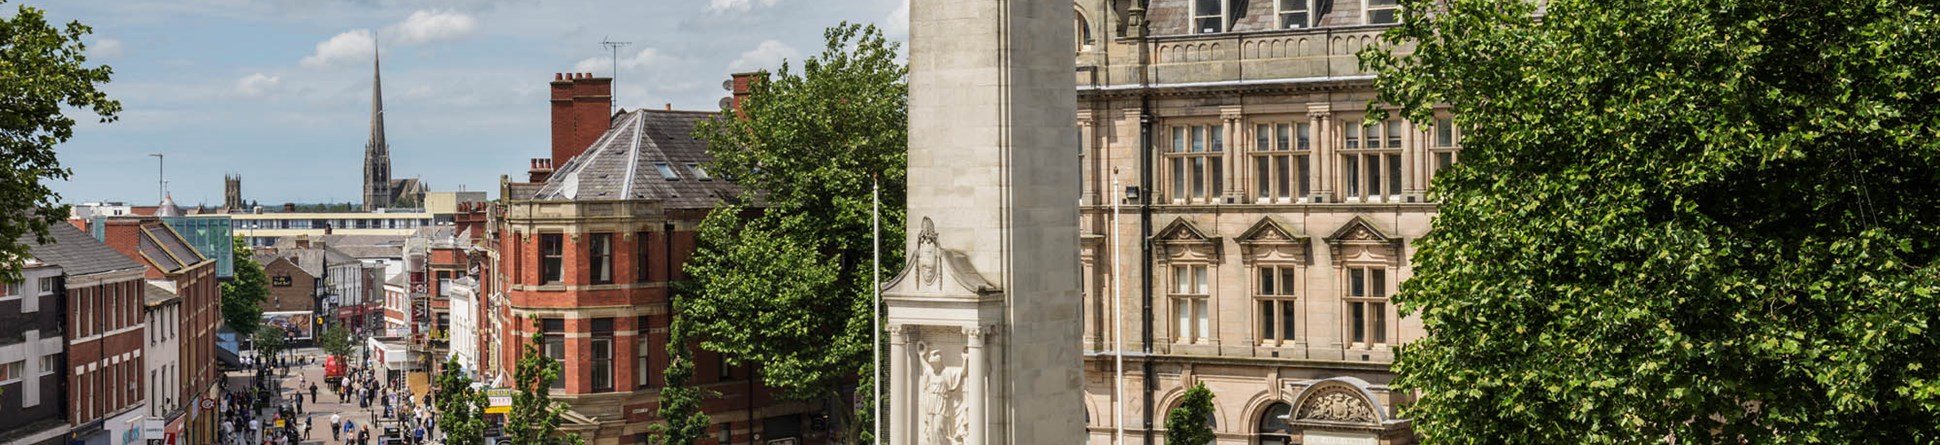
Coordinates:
<point>1366,300</point>
<point>1282,161</point>
<point>599,258</point>
<point>1278,321</point>
<point>1198,16</point>
<point>1280,13</point>
<point>1191,302</point>
<point>552,332</point>
<point>1371,159</point>
<point>1195,163</point>
<point>1444,147</point>
<point>642,353</point>
<point>1370,7</point>
<point>642,250</point>
<point>552,258</point>
<point>600,377</point>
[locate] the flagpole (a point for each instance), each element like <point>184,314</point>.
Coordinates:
<point>875,278</point>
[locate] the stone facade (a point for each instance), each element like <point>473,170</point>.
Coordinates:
<point>983,334</point>
<point>1278,224</point>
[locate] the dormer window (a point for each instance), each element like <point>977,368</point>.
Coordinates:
<point>666,171</point>
<point>1295,14</point>
<point>1216,16</point>
<point>699,173</point>
<point>1383,12</point>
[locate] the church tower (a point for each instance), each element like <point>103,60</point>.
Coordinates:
<point>377,154</point>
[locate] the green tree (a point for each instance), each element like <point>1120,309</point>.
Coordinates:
<point>337,342</point>
<point>461,408</point>
<point>680,400</point>
<point>534,418</point>
<point>1191,422</point>
<point>268,342</point>
<point>42,71</point>
<point>787,283</point>
<point>1699,221</point>
<point>242,297</point>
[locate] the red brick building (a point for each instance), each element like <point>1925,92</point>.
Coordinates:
<point>171,263</point>
<point>103,329</point>
<point>586,253</point>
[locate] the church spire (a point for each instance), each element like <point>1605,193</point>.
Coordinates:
<point>377,153</point>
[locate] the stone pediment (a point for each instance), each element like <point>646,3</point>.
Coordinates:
<point>1337,401</point>
<point>1273,238</point>
<point>1361,238</point>
<point>934,271</point>
<point>1181,239</point>
<point>1360,230</point>
<point>1271,230</point>
<point>1181,230</point>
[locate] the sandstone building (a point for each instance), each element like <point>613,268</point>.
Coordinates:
<point>1264,223</point>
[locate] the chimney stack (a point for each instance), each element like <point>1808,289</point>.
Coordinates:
<point>541,170</point>
<point>742,87</point>
<point>581,112</point>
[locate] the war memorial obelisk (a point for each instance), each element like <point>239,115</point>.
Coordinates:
<point>984,321</point>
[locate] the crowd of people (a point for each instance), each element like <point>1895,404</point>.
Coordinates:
<point>265,412</point>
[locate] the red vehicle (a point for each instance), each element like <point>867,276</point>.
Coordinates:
<point>333,370</point>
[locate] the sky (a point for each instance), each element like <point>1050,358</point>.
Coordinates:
<point>279,91</point>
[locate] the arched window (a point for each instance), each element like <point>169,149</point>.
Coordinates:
<point>1083,33</point>
<point>1273,428</point>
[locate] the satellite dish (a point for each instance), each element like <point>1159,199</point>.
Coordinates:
<point>727,102</point>
<point>727,85</point>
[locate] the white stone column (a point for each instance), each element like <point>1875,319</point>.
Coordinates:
<point>974,393</point>
<point>899,426</point>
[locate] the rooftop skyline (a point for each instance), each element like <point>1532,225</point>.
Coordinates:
<point>279,90</point>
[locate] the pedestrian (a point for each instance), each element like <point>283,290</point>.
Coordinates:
<point>307,423</point>
<point>313,392</point>
<point>363,435</point>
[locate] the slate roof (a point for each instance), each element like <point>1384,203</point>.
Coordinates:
<point>626,163</point>
<point>311,260</point>
<point>77,253</point>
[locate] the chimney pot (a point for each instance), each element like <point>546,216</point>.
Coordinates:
<point>670,106</point>
<point>558,76</point>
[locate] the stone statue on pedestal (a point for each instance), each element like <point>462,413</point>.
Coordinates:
<point>942,404</point>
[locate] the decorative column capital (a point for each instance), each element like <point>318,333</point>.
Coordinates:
<point>897,335</point>
<point>976,334</point>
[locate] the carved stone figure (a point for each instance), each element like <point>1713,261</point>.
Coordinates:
<point>1338,407</point>
<point>928,256</point>
<point>943,419</point>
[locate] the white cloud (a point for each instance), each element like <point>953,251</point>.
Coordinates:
<point>721,6</point>
<point>645,59</point>
<point>896,24</point>
<point>429,26</point>
<point>256,85</point>
<point>767,55</point>
<point>354,44</point>
<point>105,48</point>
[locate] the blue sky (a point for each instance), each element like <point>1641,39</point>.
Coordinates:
<point>279,90</point>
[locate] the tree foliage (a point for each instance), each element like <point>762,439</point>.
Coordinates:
<point>42,71</point>
<point>680,401</point>
<point>461,408</point>
<point>242,297</point>
<point>337,341</point>
<point>534,417</point>
<point>269,342</point>
<point>785,279</point>
<point>1700,221</point>
<point>1190,423</point>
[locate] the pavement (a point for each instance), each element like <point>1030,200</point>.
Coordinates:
<point>326,401</point>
